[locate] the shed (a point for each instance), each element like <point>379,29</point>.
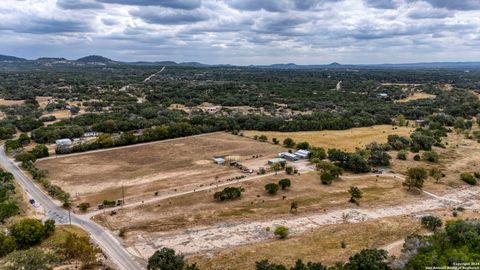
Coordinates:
<point>276,160</point>
<point>219,160</point>
<point>288,156</point>
<point>302,153</point>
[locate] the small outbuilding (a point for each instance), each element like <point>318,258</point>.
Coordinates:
<point>276,160</point>
<point>219,160</point>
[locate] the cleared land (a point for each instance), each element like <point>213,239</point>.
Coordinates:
<point>322,244</point>
<point>9,102</point>
<point>196,224</point>
<point>169,166</point>
<point>341,139</point>
<point>417,96</point>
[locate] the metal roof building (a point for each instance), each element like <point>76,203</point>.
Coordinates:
<point>63,142</point>
<point>302,153</point>
<point>219,161</point>
<point>276,160</point>
<point>288,156</point>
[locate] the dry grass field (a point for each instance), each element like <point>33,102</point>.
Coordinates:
<point>9,102</point>
<point>323,244</point>
<point>43,101</point>
<point>341,139</point>
<point>60,114</point>
<point>200,209</point>
<point>417,96</point>
<point>181,164</point>
<point>196,225</point>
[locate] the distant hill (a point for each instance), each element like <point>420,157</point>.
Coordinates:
<point>192,64</point>
<point>5,58</point>
<point>51,59</point>
<point>95,59</point>
<point>10,61</point>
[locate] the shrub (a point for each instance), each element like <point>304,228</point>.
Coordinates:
<point>317,153</point>
<point>228,193</point>
<point>402,155</point>
<point>303,145</point>
<point>326,178</point>
<point>289,170</point>
<point>84,206</point>
<point>417,157</point>
<point>355,194</point>
<point>415,148</point>
<point>263,138</point>
<point>27,232</point>
<point>415,178</point>
<point>431,222</point>
<point>40,151</point>
<point>430,156</point>
<point>281,232</point>
<point>284,183</point>
<point>272,188</point>
<point>468,178</point>
<point>25,157</point>
<point>289,142</point>
<point>166,259</point>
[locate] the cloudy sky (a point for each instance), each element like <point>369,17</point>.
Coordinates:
<point>244,31</point>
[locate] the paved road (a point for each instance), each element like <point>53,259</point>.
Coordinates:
<point>106,241</point>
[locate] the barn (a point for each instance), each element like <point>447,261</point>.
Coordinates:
<point>302,153</point>
<point>288,156</point>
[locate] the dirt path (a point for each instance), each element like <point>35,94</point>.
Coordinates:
<point>226,235</point>
<point>153,75</point>
<point>394,248</point>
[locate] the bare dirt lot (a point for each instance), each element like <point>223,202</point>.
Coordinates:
<point>60,114</point>
<point>322,244</point>
<point>169,166</point>
<point>9,102</point>
<point>417,96</point>
<point>341,139</point>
